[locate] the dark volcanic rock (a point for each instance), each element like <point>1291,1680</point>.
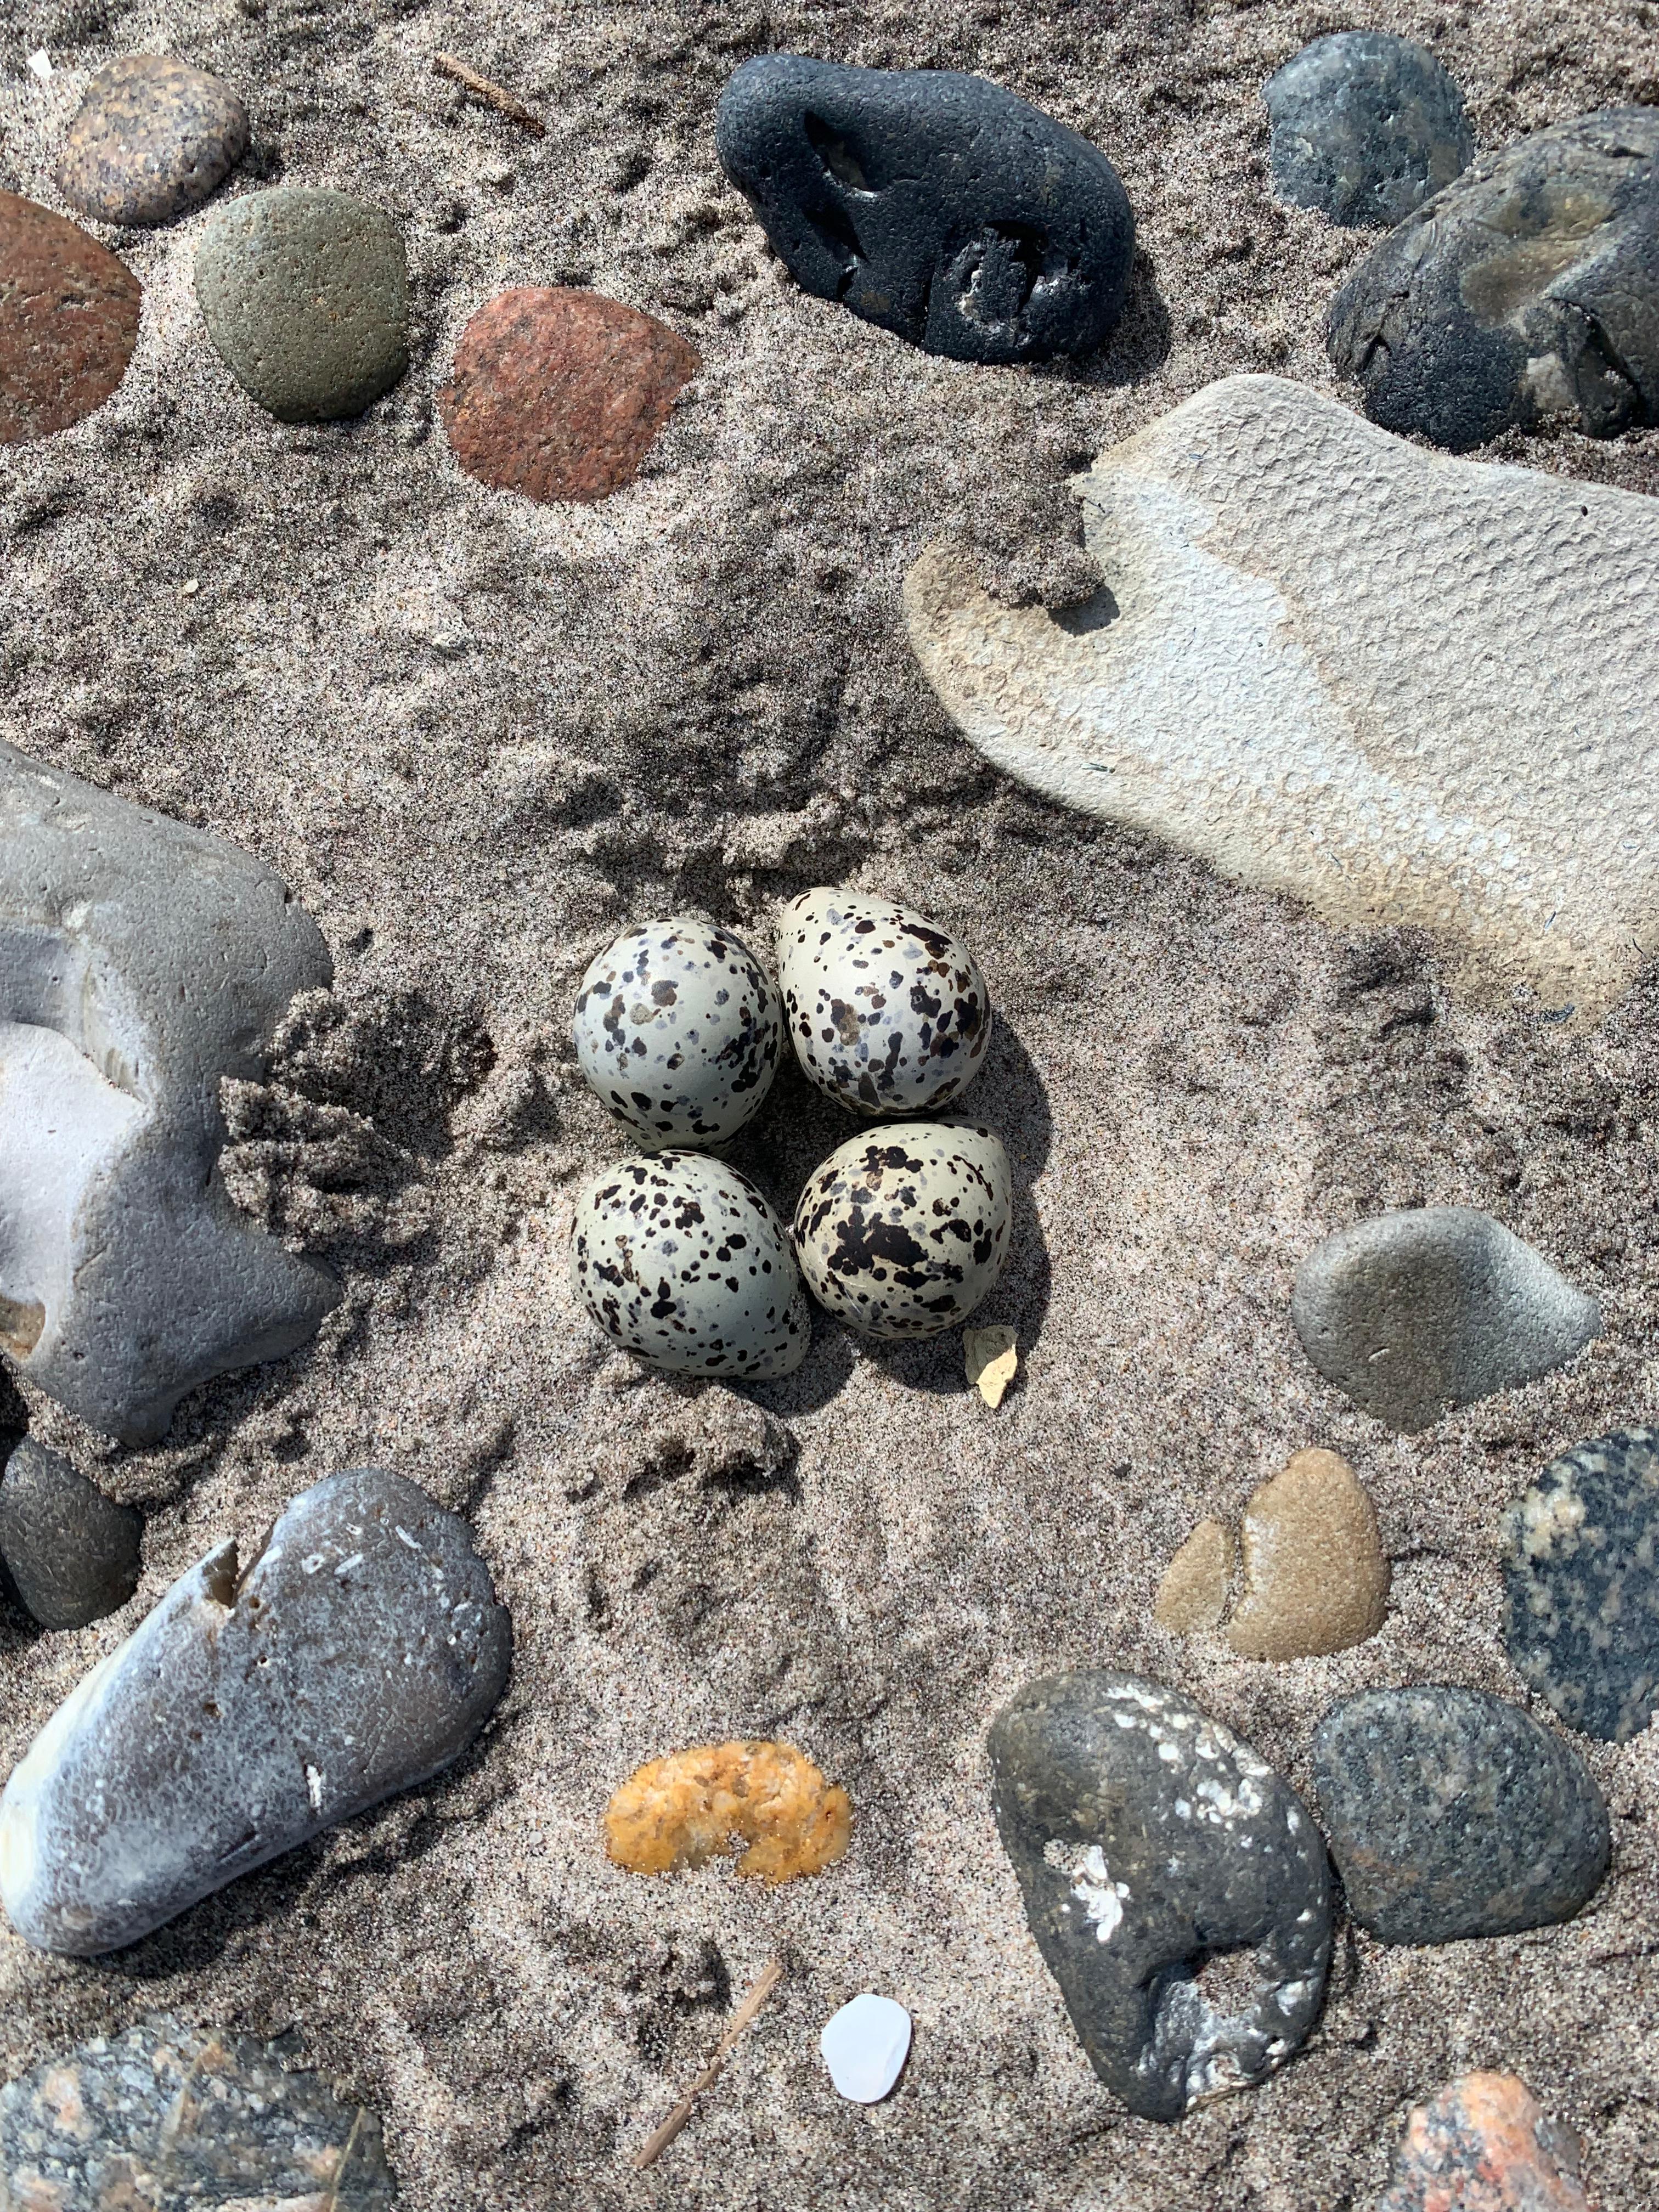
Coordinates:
<point>935,204</point>
<point>1582,1583</point>
<point>1485,2144</point>
<point>1364,127</point>
<point>1415,1312</point>
<point>71,1552</point>
<point>154,138</point>
<point>1528,289</point>
<point>69,321</point>
<point>361,1652</point>
<point>164,2117</point>
<point>1450,1813</point>
<point>1148,1841</point>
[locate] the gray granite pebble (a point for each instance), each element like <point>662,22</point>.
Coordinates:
<point>72,1553</point>
<point>1416,1312</point>
<point>359,1651</point>
<point>1451,1813</point>
<point>1581,1574</point>
<point>154,136</point>
<point>1364,126</point>
<point>1149,1841</point>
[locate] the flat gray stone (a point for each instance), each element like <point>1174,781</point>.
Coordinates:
<point>1364,126</point>
<point>357,1655</point>
<point>154,136</point>
<point>141,962</point>
<point>72,1553</point>
<point>1149,1840</point>
<point>305,292</point>
<point>1417,1312</point>
<point>1450,1813</point>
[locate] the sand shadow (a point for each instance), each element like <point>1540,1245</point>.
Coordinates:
<point>1140,339</point>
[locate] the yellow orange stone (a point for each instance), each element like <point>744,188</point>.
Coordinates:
<point>767,1797</point>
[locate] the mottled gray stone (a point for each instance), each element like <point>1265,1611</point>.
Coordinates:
<point>71,1552</point>
<point>154,136</point>
<point>1416,1312</point>
<point>1364,126</point>
<point>1148,1841</point>
<point>164,2117</point>
<point>305,292</point>
<point>1527,291</point>
<point>141,962</point>
<point>1581,1574</point>
<point>359,1652</point>
<point>1450,1813</point>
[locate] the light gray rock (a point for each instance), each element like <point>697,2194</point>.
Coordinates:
<point>71,1552</point>
<point>1305,665</point>
<point>141,961</point>
<point>1415,1312</point>
<point>358,1653</point>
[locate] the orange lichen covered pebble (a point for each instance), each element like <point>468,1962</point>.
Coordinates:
<point>679,1811</point>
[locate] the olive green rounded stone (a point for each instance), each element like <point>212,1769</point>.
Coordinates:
<point>305,292</point>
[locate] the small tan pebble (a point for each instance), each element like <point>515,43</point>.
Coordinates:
<point>1485,2144</point>
<point>1316,1579</point>
<point>1192,1595</point>
<point>992,1357</point>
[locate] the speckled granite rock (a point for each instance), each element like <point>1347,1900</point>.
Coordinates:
<point>141,962</point>
<point>162,2118</point>
<point>305,292</point>
<point>72,1553</point>
<point>69,321</point>
<point>935,204</point>
<point>1450,1813</point>
<point>357,1655</point>
<point>1484,2144</point>
<point>153,139</point>
<point>1528,290</point>
<point>1416,1312</point>
<point>1148,1839</point>
<point>1364,127</point>
<point>1580,1575</point>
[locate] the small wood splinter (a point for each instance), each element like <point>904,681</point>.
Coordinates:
<point>656,2143</point>
<point>497,95</point>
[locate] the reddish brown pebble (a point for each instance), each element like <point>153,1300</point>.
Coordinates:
<point>69,321</point>
<point>1485,2145</point>
<point>558,393</point>
<point>154,138</point>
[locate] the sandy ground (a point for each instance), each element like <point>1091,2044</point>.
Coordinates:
<point>476,736</point>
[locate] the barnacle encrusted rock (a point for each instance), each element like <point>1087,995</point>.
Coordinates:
<point>1306,666</point>
<point>141,962</point>
<point>767,1797</point>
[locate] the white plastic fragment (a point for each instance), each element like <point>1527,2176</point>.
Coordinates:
<point>865,2046</point>
<point>40,64</point>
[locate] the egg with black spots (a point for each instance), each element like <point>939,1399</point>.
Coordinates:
<point>681,1260</point>
<point>904,1230</point>
<point>679,1031</point>
<point>887,1011</point>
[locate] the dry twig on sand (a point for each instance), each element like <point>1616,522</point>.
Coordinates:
<point>658,2141</point>
<point>496,94</point>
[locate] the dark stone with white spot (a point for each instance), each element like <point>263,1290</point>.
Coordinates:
<point>154,136</point>
<point>934,204</point>
<point>1365,127</point>
<point>1581,1574</point>
<point>1149,1842</point>
<point>1416,1312</point>
<point>1527,291</point>
<point>72,1553</point>
<point>1451,1813</point>
<point>357,1655</point>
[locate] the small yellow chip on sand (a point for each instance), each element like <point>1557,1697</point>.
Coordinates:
<point>992,1358</point>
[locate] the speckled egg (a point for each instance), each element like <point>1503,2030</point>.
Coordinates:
<point>679,1029</point>
<point>887,1011</point>
<point>681,1260</point>
<point>903,1230</point>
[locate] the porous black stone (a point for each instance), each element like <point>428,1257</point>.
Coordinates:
<point>1581,1576</point>
<point>1450,1813</point>
<point>1149,1841</point>
<point>1364,127</point>
<point>72,1553</point>
<point>934,204</point>
<point>1528,290</point>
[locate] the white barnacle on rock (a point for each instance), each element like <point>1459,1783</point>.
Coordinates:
<point>1101,1898</point>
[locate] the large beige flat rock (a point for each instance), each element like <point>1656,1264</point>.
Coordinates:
<point>1405,688</point>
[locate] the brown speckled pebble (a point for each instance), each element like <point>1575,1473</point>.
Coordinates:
<point>69,321</point>
<point>154,136</point>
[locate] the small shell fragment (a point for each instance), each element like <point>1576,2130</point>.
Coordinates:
<point>992,1357</point>
<point>865,2046</point>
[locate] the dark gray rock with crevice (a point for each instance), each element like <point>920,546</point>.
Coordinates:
<point>935,204</point>
<point>1364,127</point>
<point>1150,1844</point>
<point>358,1653</point>
<point>1451,1813</point>
<point>71,1554</point>
<point>1415,1312</point>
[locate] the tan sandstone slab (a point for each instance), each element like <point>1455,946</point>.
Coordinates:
<point>1405,688</point>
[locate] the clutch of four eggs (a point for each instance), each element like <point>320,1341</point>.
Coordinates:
<point>678,1256</point>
